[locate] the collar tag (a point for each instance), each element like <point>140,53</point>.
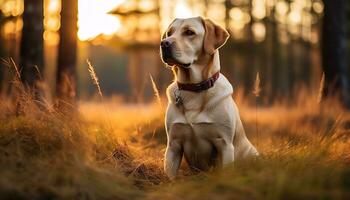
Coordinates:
<point>178,98</point>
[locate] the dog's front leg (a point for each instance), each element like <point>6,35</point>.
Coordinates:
<point>225,150</point>
<point>173,157</point>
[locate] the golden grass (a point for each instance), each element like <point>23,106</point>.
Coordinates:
<point>304,154</point>
<point>257,87</point>
<point>321,89</point>
<point>94,78</point>
<point>156,91</point>
<point>45,154</point>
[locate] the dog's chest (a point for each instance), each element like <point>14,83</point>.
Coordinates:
<point>197,141</point>
<point>195,110</point>
<point>193,107</point>
<point>211,106</point>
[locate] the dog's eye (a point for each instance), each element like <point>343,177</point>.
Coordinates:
<point>189,33</point>
<point>168,34</point>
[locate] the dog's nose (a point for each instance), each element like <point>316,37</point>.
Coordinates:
<point>165,44</point>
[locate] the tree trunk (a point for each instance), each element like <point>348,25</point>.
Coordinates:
<point>32,44</point>
<point>66,83</point>
<point>334,50</point>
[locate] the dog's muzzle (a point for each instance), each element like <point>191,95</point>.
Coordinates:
<point>167,54</point>
<point>168,51</point>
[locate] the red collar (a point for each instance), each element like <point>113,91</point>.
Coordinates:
<point>199,87</point>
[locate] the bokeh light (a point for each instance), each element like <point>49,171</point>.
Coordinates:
<point>94,20</point>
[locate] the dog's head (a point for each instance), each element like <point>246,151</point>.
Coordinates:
<point>185,40</point>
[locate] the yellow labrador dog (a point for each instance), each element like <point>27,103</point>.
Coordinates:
<point>202,120</point>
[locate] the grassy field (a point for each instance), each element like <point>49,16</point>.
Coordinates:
<point>109,150</point>
<point>115,151</point>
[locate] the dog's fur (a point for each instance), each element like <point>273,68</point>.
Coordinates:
<point>206,128</point>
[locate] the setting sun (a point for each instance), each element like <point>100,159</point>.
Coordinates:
<point>94,20</point>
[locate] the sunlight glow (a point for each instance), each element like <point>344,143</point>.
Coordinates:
<point>259,31</point>
<point>239,18</point>
<point>182,10</point>
<point>282,8</point>
<point>318,7</point>
<point>94,20</point>
<point>52,21</point>
<point>217,12</point>
<point>147,5</point>
<point>294,17</point>
<point>53,6</point>
<point>259,10</point>
<point>139,20</point>
<point>11,8</point>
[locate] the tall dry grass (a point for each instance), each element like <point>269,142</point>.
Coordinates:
<point>321,89</point>
<point>256,92</point>
<point>94,78</point>
<point>45,154</point>
<point>156,91</point>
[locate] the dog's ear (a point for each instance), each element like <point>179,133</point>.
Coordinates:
<point>166,30</point>
<point>215,36</point>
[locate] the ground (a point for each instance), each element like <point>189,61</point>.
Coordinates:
<point>109,150</point>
